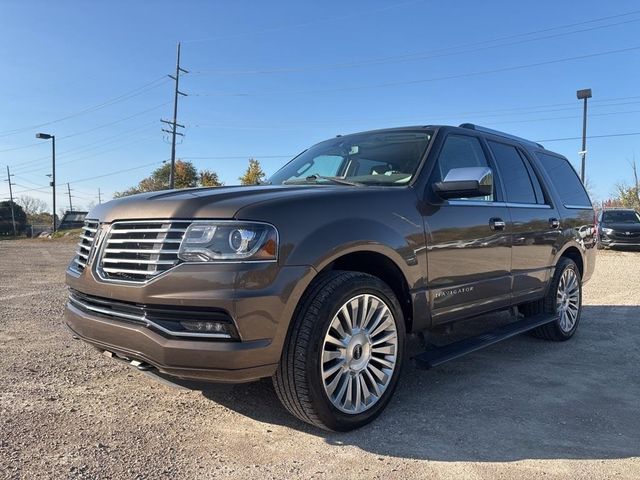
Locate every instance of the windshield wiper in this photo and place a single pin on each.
(314, 179)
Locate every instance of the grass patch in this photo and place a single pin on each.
(73, 233)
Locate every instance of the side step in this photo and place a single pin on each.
(439, 355)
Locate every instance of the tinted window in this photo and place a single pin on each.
(565, 179)
(460, 151)
(514, 174)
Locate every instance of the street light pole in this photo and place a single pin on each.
(584, 95)
(46, 136)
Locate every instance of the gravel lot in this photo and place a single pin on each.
(524, 408)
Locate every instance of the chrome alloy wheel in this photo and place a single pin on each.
(359, 353)
(568, 299)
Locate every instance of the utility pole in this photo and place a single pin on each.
(13, 217)
(69, 191)
(584, 94)
(174, 124)
(99, 196)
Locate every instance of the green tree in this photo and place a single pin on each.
(207, 178)
(254, 174)
(186, 177)
(6, 222)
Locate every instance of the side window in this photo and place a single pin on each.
(461, 151)
(514, 174)
(565, 179)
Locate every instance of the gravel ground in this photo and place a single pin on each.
(524, 408)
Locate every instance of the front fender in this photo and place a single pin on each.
(326, 243)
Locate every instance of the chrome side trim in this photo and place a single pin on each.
(579, 207)
(528, 205)
(481, 203)
(142, 319)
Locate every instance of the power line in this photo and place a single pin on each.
(626, 134)
(426, 80)
(84, 157)
(304, 24)
(117, 172)
(88, 146)
(425, 55)
(125, 96)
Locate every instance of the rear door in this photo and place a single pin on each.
(535, 221)
(468, 239)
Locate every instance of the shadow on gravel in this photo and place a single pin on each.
(521, 399)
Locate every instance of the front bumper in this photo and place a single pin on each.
(259, 298)
(617, 242)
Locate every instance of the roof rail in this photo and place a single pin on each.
(478, 128)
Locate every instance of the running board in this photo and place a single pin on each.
(439, 355)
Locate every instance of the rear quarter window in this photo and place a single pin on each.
(565, 180)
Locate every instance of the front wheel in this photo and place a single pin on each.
(343, 355)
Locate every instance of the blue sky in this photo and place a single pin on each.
(268, 79)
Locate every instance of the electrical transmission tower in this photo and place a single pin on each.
(174, 123)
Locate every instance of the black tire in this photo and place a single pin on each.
(298, 380)
(553, 331)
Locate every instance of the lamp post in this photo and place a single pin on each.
(46, 136)
(584, 95)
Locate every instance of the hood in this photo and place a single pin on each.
(213, 203)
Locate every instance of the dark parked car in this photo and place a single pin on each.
(618, 227)
(317, 277)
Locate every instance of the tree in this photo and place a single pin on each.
(254, 174)
(186, 177)
(31, 205)
(629, 195)
(43, 219)
(6, 221)
(207, 178)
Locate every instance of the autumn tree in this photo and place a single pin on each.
(186, 176)
(254, 173)
(629, 195)
(207, 178)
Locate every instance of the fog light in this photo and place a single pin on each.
(206, 326)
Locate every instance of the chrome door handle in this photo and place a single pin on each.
(554, 222)
(497, 224)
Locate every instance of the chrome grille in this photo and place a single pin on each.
(139, 251)
(87, 237)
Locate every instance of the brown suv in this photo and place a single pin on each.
(317, 277)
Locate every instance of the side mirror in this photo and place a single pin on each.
(466, 182)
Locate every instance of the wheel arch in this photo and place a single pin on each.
(573, 252)
(380, 266)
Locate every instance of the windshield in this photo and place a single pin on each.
(621, 216)
(380, 158)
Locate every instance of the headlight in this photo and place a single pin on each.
(213, 241)
(607, 231)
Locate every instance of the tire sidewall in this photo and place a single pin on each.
(567, 264)
(328, 413)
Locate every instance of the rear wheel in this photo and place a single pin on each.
(343, 355)
(564, 300)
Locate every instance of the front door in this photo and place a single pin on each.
(468, 240)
